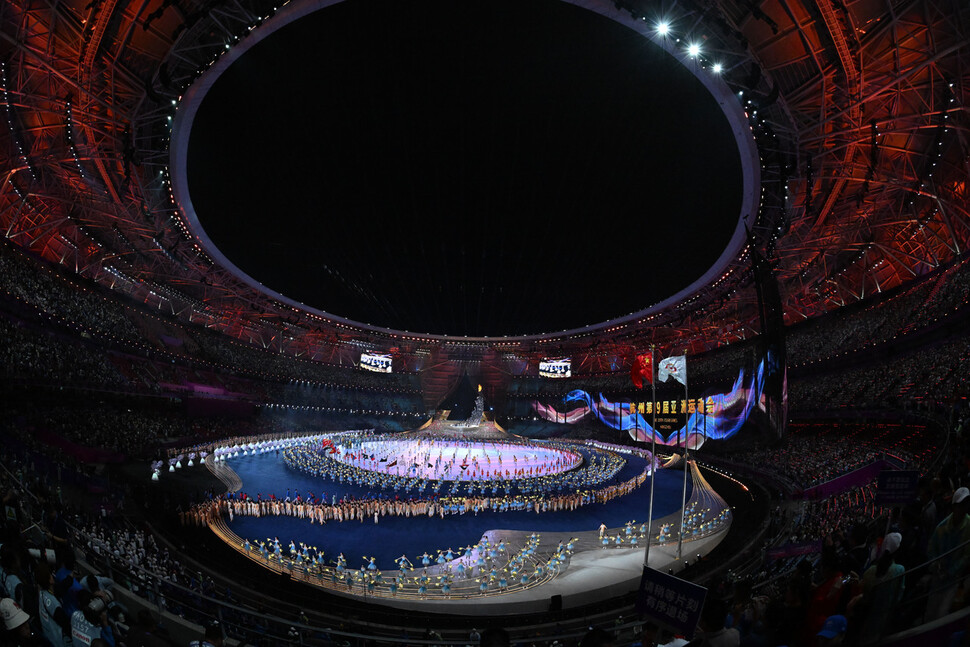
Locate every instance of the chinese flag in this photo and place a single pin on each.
(642, 369)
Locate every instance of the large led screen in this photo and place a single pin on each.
(555, 367)
(680, 418)
(379, 363)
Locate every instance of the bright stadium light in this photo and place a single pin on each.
(694, 49)
(663, 28)
(717, 68)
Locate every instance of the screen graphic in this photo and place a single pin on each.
(379, 363)
(556, 367)
(692, 419)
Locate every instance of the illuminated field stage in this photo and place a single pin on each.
(492, 544)
(457, 460)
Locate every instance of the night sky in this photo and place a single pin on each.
(473, 168)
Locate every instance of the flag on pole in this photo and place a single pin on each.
(642, 368)
(675, 367)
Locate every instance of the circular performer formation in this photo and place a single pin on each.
(489, 523)
(455, 459)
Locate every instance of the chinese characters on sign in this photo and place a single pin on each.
(676, 406)
(670, 601)
(669, 413)
(897, 487)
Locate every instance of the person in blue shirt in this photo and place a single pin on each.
(55, 624)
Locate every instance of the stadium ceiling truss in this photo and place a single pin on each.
(858, 109)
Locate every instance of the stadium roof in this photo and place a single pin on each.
(537, 167)
(857, 108)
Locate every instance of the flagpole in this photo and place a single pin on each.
(636, 414)
(683, 500)
(653, 461)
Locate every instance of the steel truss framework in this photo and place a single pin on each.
(858, 109)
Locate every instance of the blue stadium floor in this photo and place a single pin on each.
(394, 536)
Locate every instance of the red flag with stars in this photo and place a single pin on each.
(642, 369)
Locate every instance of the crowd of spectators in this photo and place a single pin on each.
(126, 368)
(152, 350)
(36, 284)
(886, 318)
(119, 426)
(921, 373)
(769, 606)
(65, 332)
(127, 428)
(880, 568)
(950, 294)
(813, 453)
(30, 355)
(857, 572)
(846, 331)
(934, 374)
